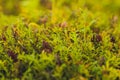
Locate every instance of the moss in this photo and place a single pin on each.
(59, 40)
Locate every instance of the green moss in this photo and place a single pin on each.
(59, 40)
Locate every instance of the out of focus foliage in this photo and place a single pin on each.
(59, 40)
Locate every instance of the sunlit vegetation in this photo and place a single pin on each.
(59, 40)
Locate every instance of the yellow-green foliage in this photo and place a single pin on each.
(59, 40)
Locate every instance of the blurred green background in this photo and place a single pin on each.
(15, 7)
(56, 10)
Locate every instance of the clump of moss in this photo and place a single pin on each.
(61, 40)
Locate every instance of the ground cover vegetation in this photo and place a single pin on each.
(59, 40)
